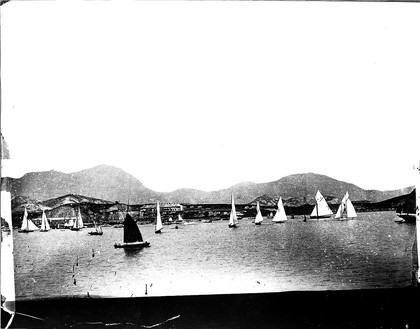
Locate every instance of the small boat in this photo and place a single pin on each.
(131, 235)
(280, 216)
(169, 222)
(45, 226)
(321, 209)
(258, 218)
(78, 223)
(98, 230)
(233, 220)
(158, 225)
(180, 218)
(27, 225)
(346, 209)
(407, 217)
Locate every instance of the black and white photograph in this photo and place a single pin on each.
(209, 164)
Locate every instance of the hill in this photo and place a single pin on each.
(113, 184)
(101, 182)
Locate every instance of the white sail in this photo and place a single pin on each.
(7, 274)
(180, 218)
(69, 223)
(258, 218)
(232, 218)
(170, 219)
(78, 223)
(280, 215)
(24, 226)
(27, 224)
(45, 226)
(321, 208)
(346, 208)
(159, 225)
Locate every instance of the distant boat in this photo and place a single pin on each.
(131, 235)
(179, 218)
(321, 209)
(98, 230)
(27, 224)
(45, 226)
(258, 218)
(346, 209)
(280, 216)
(233, 220)
(158, 226)
(78, 223)
(170, 221)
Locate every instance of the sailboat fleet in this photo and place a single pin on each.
(132, 237)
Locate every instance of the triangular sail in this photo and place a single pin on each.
(180, 218)
(346, 208)
(24, 226)
(280, 215)
(131, 230)
(78, 223)
(351, 212)
(258, 217)
(232, 218)
(45, 226)
(159, 225)
(27, 224)
(321, 207)
(79, 218)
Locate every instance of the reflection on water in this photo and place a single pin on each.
(209, 258)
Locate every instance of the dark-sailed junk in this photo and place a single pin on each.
(131, 236)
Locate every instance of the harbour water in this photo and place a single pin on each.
(371, 251)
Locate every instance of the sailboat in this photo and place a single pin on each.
(258, 218)
(131, 235)
(158, 226)
(180, 218)
(346, 209)
(27, 224)
(98, 230)
(233, 220)
(280, 216)
(45, 226)
(78, 223)
(321, 209)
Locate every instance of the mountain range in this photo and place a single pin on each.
(113, 184)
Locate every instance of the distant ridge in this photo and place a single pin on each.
(113, 184)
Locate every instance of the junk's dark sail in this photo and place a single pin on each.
(131, 230)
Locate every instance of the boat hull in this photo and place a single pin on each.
(75, 229)
(132, 245)
(25, 231)
(232, 225)
(409, 218)
(320, 217)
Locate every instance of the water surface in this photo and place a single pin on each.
(371, 251)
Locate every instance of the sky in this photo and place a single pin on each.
(209, 94)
